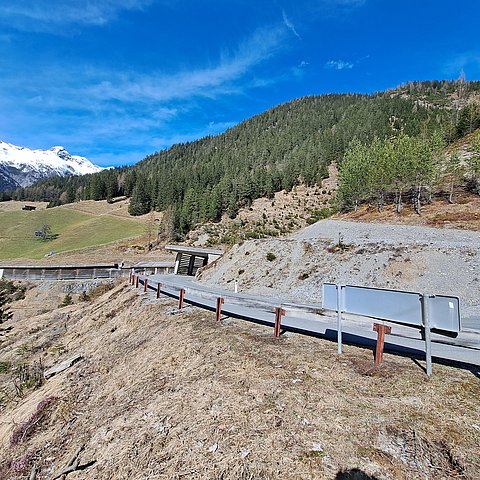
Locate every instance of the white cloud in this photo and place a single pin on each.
(346, 3)
(219, 79)
(82, 106)
(290, 25)
(468, 62)
(338, 65)
(52, 15)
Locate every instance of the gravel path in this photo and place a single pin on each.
(364, 233)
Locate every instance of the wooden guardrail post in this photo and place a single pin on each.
(218, 310)
(181, 297)
(279, 312)
(382, 330)
(159, 287)
(145, 285)
(136, 281)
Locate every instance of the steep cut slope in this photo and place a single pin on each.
(404, 257)
(180, 396)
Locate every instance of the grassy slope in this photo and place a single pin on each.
(75, 230)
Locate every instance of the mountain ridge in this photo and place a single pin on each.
(22, 166)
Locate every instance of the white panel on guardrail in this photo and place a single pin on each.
(396, 306)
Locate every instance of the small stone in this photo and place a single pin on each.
(213, 448)
(244, 452)
(316, 447)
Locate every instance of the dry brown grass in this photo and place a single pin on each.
(181, 396)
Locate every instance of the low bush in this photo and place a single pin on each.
(26, 429)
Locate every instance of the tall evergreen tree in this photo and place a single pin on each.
(139, 201)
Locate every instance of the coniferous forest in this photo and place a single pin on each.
(388, 145)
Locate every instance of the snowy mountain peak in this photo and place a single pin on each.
(20, 166)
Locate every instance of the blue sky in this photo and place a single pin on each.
(116, 80)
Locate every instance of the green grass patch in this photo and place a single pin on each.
(74, 230)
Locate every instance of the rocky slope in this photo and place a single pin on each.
(404, 257)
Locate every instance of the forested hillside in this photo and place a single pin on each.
(289, 144)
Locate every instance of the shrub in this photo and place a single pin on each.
(67, 300)
(84, 297)
(26, 429)
(320, 214)
(271, 256)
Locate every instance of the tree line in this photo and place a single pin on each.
(287, 145)
(401, 168)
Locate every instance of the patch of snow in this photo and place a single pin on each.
(27, 166)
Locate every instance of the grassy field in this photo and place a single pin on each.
(74, 230)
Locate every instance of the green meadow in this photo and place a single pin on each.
(73, 230)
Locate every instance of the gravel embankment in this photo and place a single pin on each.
(412, 258)
(364, 233)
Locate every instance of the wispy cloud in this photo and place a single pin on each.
(468, 62)
(219, 79)
(344, 65)
(345, 3)
(80, 106)
(49, 15)
(338, 65)
(290, 25)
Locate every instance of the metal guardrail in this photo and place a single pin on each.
(311, 320)
(394, 305)
(413, 309)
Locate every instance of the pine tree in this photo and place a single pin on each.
(139, 201)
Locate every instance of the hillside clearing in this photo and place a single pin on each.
(175, 396)
(74, 230)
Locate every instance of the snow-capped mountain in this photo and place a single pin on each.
(21, 167)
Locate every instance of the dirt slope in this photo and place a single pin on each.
(404, 257)
(180, 396)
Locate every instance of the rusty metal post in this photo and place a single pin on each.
(159, 286)
(218, 311)
(136, 281)
(145, 285)
(382, 330)
(181, 298)
(279, 312)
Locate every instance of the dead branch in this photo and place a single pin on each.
(72, 465)
(33, 473)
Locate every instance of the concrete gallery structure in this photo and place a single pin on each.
(190, 259)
